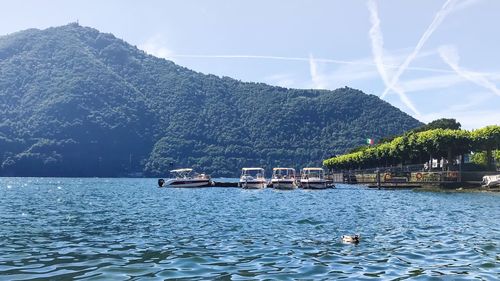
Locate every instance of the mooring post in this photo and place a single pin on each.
(378, 178)
(459, 179)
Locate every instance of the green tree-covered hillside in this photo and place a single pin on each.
(77, 102)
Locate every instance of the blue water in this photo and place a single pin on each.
(128, 229)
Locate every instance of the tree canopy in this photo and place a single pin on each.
(443, 123)
(417, 147)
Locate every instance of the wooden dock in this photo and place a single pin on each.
(395, 185)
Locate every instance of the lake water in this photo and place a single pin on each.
(128, 229)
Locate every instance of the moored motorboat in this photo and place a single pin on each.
(252, 178)
(313, 178)
(491, 181)
(185, 178)
(284, 178)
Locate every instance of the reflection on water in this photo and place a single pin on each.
(128, 229)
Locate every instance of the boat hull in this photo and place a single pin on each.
(253, 184)
(283, 184)
(187, 183)
(491, 181)
(313, 184)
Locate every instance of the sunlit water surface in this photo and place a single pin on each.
(124, 229)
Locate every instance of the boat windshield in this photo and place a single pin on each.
(283, 173)
(313, 173)
(253, 172)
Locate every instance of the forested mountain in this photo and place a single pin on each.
(77, 102)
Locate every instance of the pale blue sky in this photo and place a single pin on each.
(437, 58)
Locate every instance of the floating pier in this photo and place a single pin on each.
(330, 184)
(224, 184)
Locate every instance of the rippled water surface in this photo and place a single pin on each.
(124, 229)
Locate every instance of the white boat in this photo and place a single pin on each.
(252, 178)
(284, 178)
(491, 181)
(186, 178)
(313, 178)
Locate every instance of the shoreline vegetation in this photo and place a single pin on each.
(78, 102)
(419, 147)
(436, 156)
(106, 111)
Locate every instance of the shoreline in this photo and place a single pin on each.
(464, 188)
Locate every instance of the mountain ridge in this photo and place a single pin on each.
(77, 102)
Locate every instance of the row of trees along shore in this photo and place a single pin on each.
(417, 147)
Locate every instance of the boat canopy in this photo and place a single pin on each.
(185, 170)
(252, 169)
(275, 169)
(312, 169)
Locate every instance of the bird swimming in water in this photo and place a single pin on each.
(351, 238)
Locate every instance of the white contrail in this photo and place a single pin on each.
(438, 19)
(377, 41)
(305, 59)
(450, 55)
(316, 77)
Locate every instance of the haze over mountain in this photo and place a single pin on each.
(77, 102)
